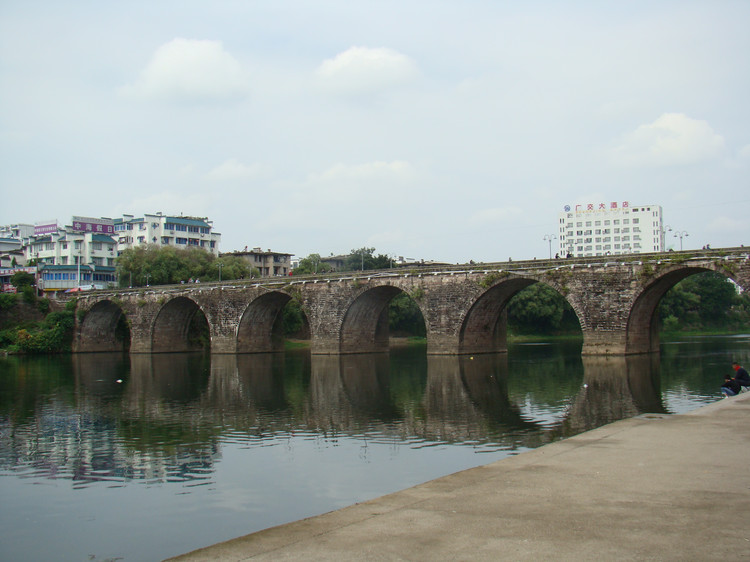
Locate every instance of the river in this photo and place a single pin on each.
(117, 457)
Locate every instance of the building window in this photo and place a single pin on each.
(181, 240)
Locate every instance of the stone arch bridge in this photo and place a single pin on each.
(615, 299)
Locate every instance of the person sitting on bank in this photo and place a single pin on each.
(730, 387)
(740, 374)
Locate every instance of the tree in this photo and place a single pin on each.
(154, 265)
(404, 317)
(539, 309)
(230, 267)
(705, 300)
(363, 259)
(311, 265)
(21, 279)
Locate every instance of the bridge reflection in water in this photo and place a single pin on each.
(453, 399)
(194, 449)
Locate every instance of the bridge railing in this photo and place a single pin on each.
(416, 269)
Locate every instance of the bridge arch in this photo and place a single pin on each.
(260, 329)
(642, 331)
(364, 328)
(104, 328)
(484, 327)
(179, 326)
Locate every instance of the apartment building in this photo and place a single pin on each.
(615, 228)
(164, 230)
(269, 263)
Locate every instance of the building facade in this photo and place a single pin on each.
(615, 228)
(19, 231)
(163, 230)
(269, 263)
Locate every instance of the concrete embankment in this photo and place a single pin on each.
(649, 488)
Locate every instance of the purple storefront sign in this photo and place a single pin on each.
(98, 226)
(40, 229)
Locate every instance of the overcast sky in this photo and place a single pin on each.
(429, 129)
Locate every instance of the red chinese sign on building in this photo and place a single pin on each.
(614, 205)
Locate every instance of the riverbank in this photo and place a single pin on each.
(654, 487)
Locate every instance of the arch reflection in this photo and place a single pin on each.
(615, 388)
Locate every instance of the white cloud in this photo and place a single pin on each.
(233, 170)
(743, 155)
(726, 224)
(170, 203)
(494, 215)
(370, 171)
(358, 192)
(673, 139)
(360, 70)
(192, 70)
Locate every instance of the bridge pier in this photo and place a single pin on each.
(598, 342)
(223, 343)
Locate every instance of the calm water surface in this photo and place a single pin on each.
(107, 457)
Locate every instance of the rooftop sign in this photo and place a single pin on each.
(45, 228)
(590, 207)
(99, 226)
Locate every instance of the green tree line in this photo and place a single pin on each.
(165, 265)
(362, 259)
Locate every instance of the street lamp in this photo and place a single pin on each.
(550, 237)
(663, 234)
(220, 266)
(680, 234)
(148, 276)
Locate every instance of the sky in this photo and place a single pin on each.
(428, 129)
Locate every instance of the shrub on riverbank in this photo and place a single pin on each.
(25, 332)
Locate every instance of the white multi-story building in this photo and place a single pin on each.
(19, 231)
(86, 241)
(600, 229)
(163, 230)
(67, 257)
